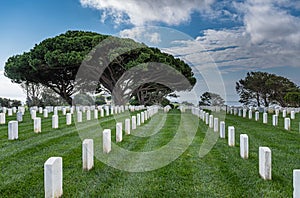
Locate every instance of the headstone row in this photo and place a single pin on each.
(264, 152)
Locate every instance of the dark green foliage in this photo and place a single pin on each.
(134, 101)
(100, 100)
(292, 99)
(165, 102)
(55, 61)
(262, 88)
(5, 102)
(211, 99)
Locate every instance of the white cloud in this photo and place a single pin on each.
(144, 12)
(232, 50)
(142, 34)
(271, 20)
(9, 89)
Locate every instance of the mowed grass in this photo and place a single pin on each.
(220, 173)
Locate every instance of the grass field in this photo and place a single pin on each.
(221, 173)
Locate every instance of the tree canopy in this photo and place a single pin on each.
(211, 99)
(262, 88)
(55, 62)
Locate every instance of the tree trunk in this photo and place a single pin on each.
(68, 100)
(266, 101)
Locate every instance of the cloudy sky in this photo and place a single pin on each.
(221, 40)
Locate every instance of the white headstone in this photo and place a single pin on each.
(54, 121)
(22, 109)
(112, 110)
(79, 116)
(296, 183)
(244, 113)
(33, 114)
(142, 117)
(64, 111)
(19, 116)
(45, 113)
(256, 116)
(40, 110)
(9, 112)
(106, 140)
(87, 154)
(292, 115)
(138, 119)
(265, 118)
(231, 136)
(14, 109)
(119, 131)
(250, 114)
(133, 122)
(68, 119)
(211, 121)
(102, 113)
(244, 146)
(222, 129)
(216, 124)
(55, 111)
(37, 125)
(275, 120)
(287, 123)
(2, 118)
(13, 130)
(265, 163)
(107, 110)
(284, 113)
(206, 118)
(96, 114)
(53, 177)
(146, 115)
(277, 112)
(127, 126)
(88, 115)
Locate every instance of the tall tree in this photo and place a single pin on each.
(133, 69)
(55, 63)
(262, 88)
(211, 99)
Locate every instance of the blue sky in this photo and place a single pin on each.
(237, 36)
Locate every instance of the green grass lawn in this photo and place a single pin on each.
(220, 173)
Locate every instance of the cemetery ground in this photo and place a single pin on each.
(221, 173)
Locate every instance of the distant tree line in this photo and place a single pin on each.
(5, 102)
(265, 89)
